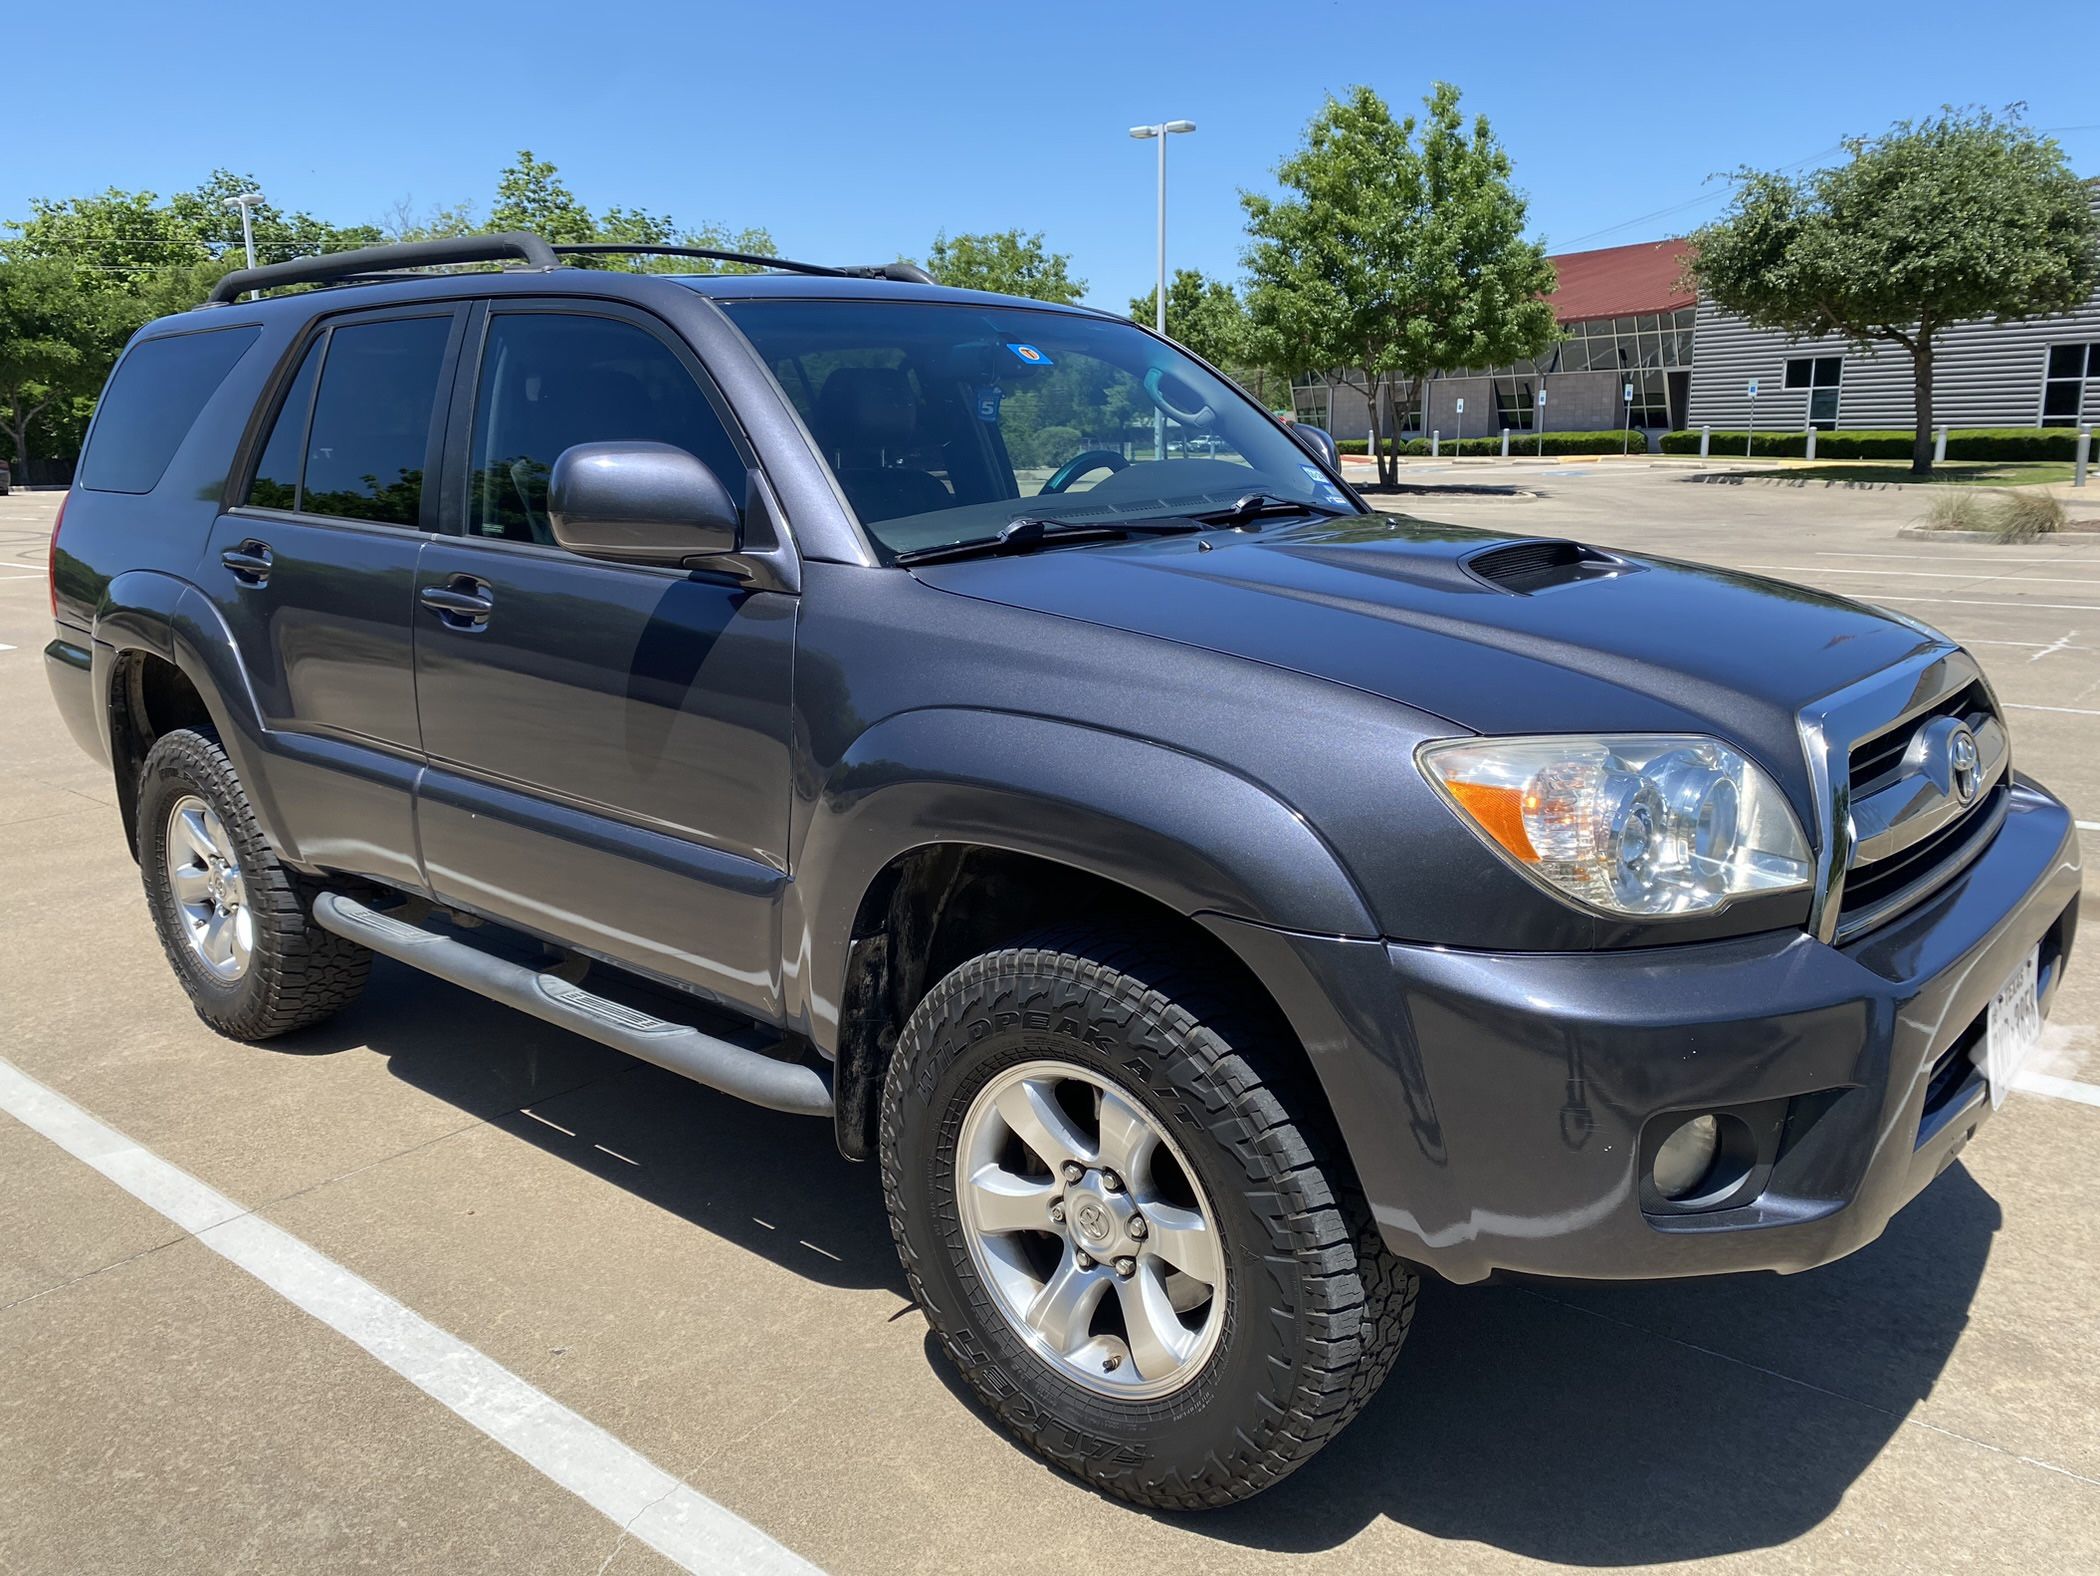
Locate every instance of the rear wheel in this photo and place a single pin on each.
(1120, 1233)
(234, 922)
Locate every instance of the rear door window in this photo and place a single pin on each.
(152, 402)
(352, 434)
(370, 436)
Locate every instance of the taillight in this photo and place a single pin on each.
(51, 564)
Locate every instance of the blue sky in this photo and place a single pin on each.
(854, 132)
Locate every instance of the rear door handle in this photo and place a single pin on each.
(250, 562)
(462, 602)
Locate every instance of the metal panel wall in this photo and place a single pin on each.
(1984, 375)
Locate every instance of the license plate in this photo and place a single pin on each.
(2011, 1029)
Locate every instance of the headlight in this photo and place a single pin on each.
(1642, 824)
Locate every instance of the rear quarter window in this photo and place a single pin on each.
(151, 403)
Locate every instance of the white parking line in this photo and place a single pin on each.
(2088, 826)
(2017, 605)
(2060, 1088)
(2069, 711)
(1922, 574)
(648, 1503)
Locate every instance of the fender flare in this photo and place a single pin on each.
(1185, 831)
(144, 610)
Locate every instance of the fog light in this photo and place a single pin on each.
(1685, 1157)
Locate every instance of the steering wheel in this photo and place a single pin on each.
(1079, 464)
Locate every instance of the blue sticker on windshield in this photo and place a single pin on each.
(1032, 356)
(988, 402)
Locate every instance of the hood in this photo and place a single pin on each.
(1549, 637)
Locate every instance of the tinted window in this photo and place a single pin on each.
(552, 380)
(151, 403)
(371, 426)
(276, 484)
(943, 422)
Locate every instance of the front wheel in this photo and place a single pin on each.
(1120, 1233)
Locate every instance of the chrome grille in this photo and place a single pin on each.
(1910, 770)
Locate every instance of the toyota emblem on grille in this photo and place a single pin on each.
(1964, 765)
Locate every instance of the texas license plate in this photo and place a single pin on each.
(2011, 1029)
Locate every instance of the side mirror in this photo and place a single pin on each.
(1319, 443)
(640, 503)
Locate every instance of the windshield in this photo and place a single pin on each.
(943, 423)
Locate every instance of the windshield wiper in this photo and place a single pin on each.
(1256, 504)
(1025, 533)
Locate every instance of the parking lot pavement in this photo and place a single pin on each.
(710, 1286)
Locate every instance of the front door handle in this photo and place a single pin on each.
(250, 562)
(462, 602)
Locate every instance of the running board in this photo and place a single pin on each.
(720, 1064)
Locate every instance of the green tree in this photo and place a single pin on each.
(1005, 262)
(1202, 313)
(1397, 251)
(1964, 215)
(132, 242)
(530, 195)
(57, 339)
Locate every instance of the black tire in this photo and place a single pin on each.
(298, 973)
(1317, 1307)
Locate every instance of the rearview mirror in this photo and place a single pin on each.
(640, 503)
(1319, 443)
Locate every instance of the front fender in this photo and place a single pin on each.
(1182, 830)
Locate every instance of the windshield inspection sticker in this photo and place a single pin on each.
(1032, 356)
(988, 402)
(1324, 490)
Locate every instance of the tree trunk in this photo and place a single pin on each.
(1921, 385)
(1388, 433)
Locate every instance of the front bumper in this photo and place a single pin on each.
(1496, 1106)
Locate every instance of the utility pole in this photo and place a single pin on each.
(1160, 133)
(246, 202)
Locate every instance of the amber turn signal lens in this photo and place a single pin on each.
(1500, 813)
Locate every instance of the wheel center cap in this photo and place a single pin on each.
(1093, 1220)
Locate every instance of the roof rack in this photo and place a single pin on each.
(903, 273)
(513, 245)
(368, 263)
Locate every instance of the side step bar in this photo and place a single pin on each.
(720, 1064)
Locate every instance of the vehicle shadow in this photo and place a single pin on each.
(1640, 1423)
(1634, 1424)
(770, 1183)
(1586, 1424)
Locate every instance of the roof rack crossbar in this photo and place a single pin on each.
(905, 273)
(514, 245)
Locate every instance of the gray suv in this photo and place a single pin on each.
(976, 724)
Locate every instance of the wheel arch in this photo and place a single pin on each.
(946, 833)
(163, 659)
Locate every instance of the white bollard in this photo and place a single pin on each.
(2085, 449)
(1706, 436)
(1939, 445)
(1811, 452)
(1435, 438)
(1505, 443)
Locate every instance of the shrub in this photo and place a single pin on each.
(2014, 515)
(1955, 509)
(1520, 444)
(1963, 443)
(2022, 516)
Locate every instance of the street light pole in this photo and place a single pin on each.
(246, 201)
(1160, 133)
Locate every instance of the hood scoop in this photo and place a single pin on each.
(1542, 564)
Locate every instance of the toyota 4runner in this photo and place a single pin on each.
(976, 724)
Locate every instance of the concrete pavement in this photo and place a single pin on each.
(713, 1287)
